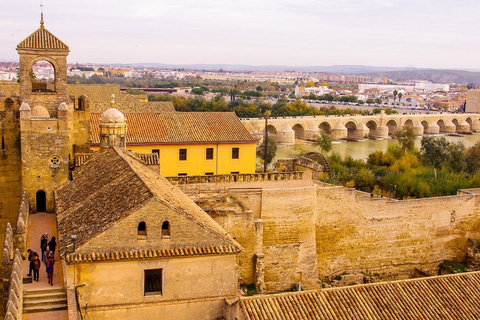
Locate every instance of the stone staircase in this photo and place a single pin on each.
(44, 300)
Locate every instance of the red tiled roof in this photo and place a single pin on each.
(42, 39)
(141, 254)
(442, 297)
(179, 127)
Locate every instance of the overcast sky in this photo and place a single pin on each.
(396, 33)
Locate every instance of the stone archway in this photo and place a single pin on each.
(41, 201)
(424, 123)
(271, 129)
(470, 122)
(299, 131)
(455, 123)
(372, 126)
(392, 127)
(351, 128)
(325, 127)
(408, 123)
(43, 76)
(441, 124)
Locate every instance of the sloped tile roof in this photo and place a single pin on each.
(42, 39)
(179, 127)
(100, 96)
(112, 185)
(441, 297)
(140, 254)
(147, 158)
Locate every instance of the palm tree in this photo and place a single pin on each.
(400, 95)
(395, 92)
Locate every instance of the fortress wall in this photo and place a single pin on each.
(289, 237)
(10, 172)
(359, 234)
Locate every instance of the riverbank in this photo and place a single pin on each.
(361, 149)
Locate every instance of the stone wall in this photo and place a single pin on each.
(359, 234)
(43, 141)
(14, 304)
(10, 170)
(304, 233)
(243, 177)
(20, 237)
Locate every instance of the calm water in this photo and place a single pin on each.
(361, 149)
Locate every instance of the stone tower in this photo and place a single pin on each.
(46, 119)
(42, 45)
(113, 128)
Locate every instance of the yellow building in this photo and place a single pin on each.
(189, 143)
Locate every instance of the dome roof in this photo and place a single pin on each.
(112, 115)
(40, 112)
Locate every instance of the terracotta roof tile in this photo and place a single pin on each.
(147, 158)
(142, 254)
(442, 297)
(179, 127)
(42, 39)
(111, 186)
(100, 95)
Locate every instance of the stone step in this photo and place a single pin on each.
(41, 291)
(46, 301)
(45, 308)
(47, 295)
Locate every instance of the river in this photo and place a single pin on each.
(361, 149)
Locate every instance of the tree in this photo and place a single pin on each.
(323, 141)
(259, 88)
(271, 150)
(310, 84)
(197, 91)
(406, 138)
(378, 101)
(400, 95)
(435, 151)
(395, 92)
(473, 158)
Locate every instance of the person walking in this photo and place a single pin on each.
(36, 267)
(31, 254)
(52, 244)
(47, 254)
(50, 262)
(44, 244)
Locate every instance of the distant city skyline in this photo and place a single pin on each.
(393, 33)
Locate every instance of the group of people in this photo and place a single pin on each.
(48, 258)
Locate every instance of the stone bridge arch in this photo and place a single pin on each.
(351, 129)
(446, 126)
(299, 131)
(271, 129)
(325, 127)
(392, 126)
(408, 123)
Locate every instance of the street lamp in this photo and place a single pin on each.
(265, 144)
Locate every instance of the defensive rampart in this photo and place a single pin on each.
(309, 232)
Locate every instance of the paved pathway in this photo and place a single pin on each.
(40, 223)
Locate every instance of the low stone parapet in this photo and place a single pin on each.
(242, 177)
(14, 307)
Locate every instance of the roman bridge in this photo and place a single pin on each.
(286, 129)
